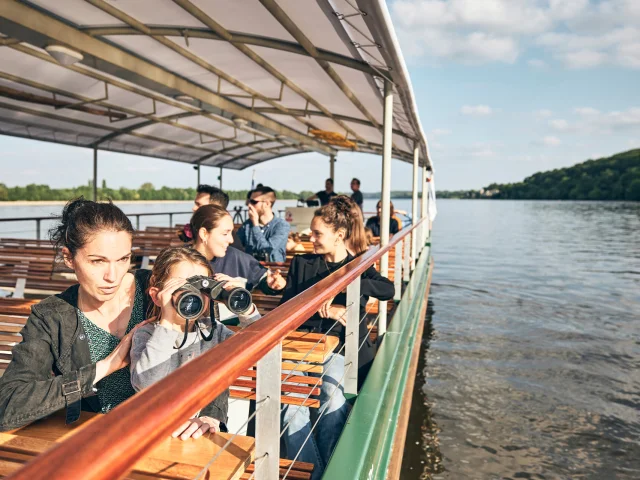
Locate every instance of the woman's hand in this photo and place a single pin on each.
(119, 357)
(275, 280)
(335, 312)
(196, 427)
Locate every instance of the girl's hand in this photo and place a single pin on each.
(231, 281)
(196, 427)
(275, 280)
(168, 315)
(119, 357)
(339, 313)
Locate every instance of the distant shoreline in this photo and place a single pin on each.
(23, 203)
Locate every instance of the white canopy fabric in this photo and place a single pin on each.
(228, 83)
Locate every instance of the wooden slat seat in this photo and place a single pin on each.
(299, 470)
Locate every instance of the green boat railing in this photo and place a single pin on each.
(109, 446)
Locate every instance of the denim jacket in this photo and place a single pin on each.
(51, 368)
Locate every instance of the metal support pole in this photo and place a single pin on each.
(332, 168)
(406, 257)
(386, 194)
(38, 229)
(268, 414)
(414, 205)
(352, 337)
(137, 222)
(220, 178)
(171, 219)
(424, 230)
(95, 174)
(198, 170)
(397, 272)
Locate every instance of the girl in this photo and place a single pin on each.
(331, 227)
(357, 241)
(212, 227)
(162, 346)
(76, 344)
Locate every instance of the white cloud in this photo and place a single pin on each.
(483, 153)
(559, 124)
(537, 63)
(586, 111)
(577, 33)
(551, 141)
(543, 113)
(440, 132)
(476, 110)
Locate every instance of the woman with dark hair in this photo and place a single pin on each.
(76, 344)
(331, 227)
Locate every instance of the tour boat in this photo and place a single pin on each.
(227, 84)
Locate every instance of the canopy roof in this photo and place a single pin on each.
(227, 83)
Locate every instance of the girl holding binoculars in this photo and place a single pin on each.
(172, 340)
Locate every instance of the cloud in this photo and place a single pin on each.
(551, 141)
(440, 132)
(577, 33)
(476, 110)
(543, 113)
(586, 111)
(537, 63)
(559, 124)
(483, 153)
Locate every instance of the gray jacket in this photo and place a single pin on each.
(154, 356)
(54, 352)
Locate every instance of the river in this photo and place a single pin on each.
(531, 357)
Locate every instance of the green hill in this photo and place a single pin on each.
(611, 178)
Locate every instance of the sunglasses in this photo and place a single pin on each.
(255, 202)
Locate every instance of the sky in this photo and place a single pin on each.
(504, 88)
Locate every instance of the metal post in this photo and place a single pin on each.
(38, 229)
(397, 272)
(424, 229)
(137, 222)
(332, 168)
(268, 414)
(171, 219)
(414, 205)
(95, 174)
(352, 337)
(386, 194)
(406, 257)
(220, 178)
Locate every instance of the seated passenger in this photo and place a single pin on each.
(294, 243)
(330, 228)
(264, 235)
(209, 195)
(374, 222)
(212, 227)
(169, 341)
(75, 345)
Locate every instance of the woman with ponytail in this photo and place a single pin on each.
(332, 226)
(75, 345)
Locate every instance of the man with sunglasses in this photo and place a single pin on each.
(263, 234)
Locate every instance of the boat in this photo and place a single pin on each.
(228, 84)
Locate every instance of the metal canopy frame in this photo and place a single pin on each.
(190, 118)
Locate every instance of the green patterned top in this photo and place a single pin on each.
(115, 388)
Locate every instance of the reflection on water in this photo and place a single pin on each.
(533, 365)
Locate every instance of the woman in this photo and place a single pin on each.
(357, 241)
(212, 228)
(76, 344)
(162, 346)
(331, 227)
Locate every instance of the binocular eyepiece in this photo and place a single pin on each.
(188, 300)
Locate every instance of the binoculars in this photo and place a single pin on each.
(188, 300)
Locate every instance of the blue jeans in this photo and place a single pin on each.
(331, 418)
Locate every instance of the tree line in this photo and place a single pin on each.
(146, 192)
(611, 178)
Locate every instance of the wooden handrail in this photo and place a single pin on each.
(109, 446)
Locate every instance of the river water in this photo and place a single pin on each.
(531, 357)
